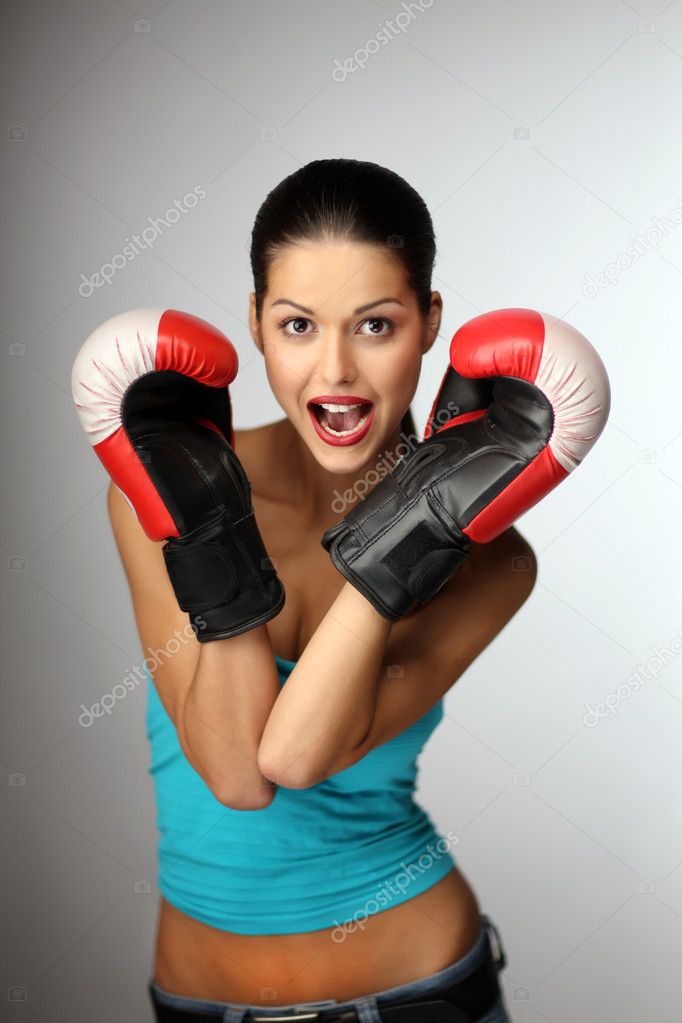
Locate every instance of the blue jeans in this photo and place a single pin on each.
(169, 1007)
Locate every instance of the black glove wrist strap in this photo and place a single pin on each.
(421, 565)
(201, 564)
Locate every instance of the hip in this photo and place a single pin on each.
(399, 945)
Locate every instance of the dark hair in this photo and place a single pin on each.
(347, 200)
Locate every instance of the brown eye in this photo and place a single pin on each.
(375, 322)
(298, 324)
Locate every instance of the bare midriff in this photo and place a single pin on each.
(404, 943)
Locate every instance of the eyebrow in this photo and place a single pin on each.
(356, 312)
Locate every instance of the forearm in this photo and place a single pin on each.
(227, 705)
(327, 705)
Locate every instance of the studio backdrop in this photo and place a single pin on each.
(138, 141)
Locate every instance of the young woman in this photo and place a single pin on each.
(295, 865)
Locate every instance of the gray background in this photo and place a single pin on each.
(543, 137)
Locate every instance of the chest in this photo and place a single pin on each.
(310, 580)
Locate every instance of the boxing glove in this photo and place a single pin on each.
(523, 400)
(151, 388)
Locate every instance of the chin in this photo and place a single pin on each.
(342, 461)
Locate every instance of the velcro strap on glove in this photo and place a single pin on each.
(200, 567)
(419, 565)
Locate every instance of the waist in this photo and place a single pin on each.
(296, 868)
(198, 961)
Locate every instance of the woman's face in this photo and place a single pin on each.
(340, 327)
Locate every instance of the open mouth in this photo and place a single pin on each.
(342, 420)
(342, 424)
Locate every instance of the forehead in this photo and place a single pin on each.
(336, 275)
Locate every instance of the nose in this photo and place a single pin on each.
(336, 363)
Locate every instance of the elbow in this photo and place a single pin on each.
(257, 797)
(249, 791)
(305, 772)
(295, 775)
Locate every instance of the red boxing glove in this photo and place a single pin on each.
(151, 390)
(567, 401)
(523, 401)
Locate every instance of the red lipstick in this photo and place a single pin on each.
(341, 440)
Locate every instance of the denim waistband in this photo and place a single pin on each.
(461, 968)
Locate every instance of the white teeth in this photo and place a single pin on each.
(344, 433)
(338, 408)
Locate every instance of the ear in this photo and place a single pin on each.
(254, 326)
(433, 318)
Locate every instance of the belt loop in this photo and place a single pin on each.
(500, 958)
(234, 1014)
(367, 1009)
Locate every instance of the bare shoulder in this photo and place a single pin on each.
(484, 594)
(510, 551)
(124, 521)
(262, 452)
(507, 563)
(141, 557)
(499, 575)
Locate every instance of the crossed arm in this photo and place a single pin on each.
(245, 735)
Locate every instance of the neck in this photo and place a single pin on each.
(329, 495)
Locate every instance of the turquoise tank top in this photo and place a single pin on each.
(323, 857)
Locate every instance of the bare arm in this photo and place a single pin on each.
(327, 704)
(218, 695)
(345, 702)
(437, 650)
